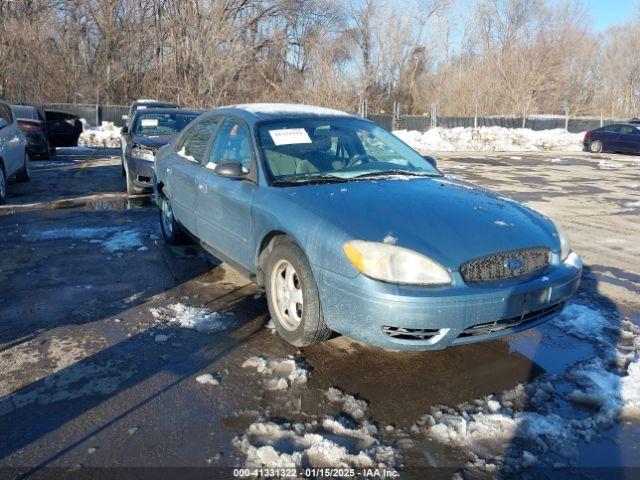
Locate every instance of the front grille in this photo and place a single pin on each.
(505, 265)
(410, 333)
(512, 322)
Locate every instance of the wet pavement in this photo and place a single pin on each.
(95, 371)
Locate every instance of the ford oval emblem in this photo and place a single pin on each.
(514, 264)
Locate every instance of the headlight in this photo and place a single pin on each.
(142, 154)
(390, 263)
(565, 246)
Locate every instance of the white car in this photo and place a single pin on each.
(14, 158)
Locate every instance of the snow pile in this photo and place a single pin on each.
(106, 135)
(281, 373)
(350, 405)
(113, 239)
(207, 379)
(524, 426)
(328, 443)
(200, 319)
(497, 139)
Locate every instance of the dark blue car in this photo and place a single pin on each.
(350, 230)
(618, 137)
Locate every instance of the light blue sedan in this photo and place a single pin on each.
(349, 230)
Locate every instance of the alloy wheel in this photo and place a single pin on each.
(286, 295)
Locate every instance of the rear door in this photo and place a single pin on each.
(64, 129)
(12, 145)
(224, 204)
(610, 137)
(184, 170)
(629, 139)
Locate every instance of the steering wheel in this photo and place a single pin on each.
(360, 159)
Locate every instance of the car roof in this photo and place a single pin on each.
(138, 103)
(167, 110)
(273, 111)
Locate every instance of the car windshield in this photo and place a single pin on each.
(336, 148)
(169, 123)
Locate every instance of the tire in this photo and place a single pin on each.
(304, 326)
(172, 231)
(3, 184)
(24, 175)
(595, 146)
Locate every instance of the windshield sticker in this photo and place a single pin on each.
(149, 122)
(289, 136)
(142, 107)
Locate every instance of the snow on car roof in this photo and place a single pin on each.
(269, 108)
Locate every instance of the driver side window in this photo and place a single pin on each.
(232, 144)
(194, 144)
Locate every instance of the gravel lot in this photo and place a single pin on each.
(107, 337)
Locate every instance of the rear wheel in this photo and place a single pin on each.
(595, 146)
(292, 295)
(172, 231)
(24, 175)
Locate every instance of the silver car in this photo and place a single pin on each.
(14, 158)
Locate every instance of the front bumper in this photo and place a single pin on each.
(140, 171)
(417, 318)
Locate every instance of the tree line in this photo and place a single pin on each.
(491, 57)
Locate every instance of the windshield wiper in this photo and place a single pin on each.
(394, 173)
(309, 179)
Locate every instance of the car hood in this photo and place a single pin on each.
(154, 142)
(446, 219)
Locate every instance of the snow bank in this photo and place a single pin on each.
(524, 426)
(106, 135)
(280, 373)
(497, 139)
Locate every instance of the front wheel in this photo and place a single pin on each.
(172, 231)
(595, 146)
(24, 175)
(292, 295)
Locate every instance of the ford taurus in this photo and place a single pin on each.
(349, 230)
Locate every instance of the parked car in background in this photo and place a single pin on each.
(64, 128)
(617, 137)
(350, 230)
(635, 121)
(33, 123)
(144, 103)
(150, 129)
(14, 156)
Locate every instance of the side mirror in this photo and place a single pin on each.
(124, 130)
(431, 160)
(3, 123)
(230, 170)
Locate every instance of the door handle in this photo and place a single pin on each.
(202, 187)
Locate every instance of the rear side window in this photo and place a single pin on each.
(612, 128)
(232, 144)
(5, 113)
(628, 129)
(194, 144)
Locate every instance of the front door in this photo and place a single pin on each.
(224, 204)
(185, 169)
